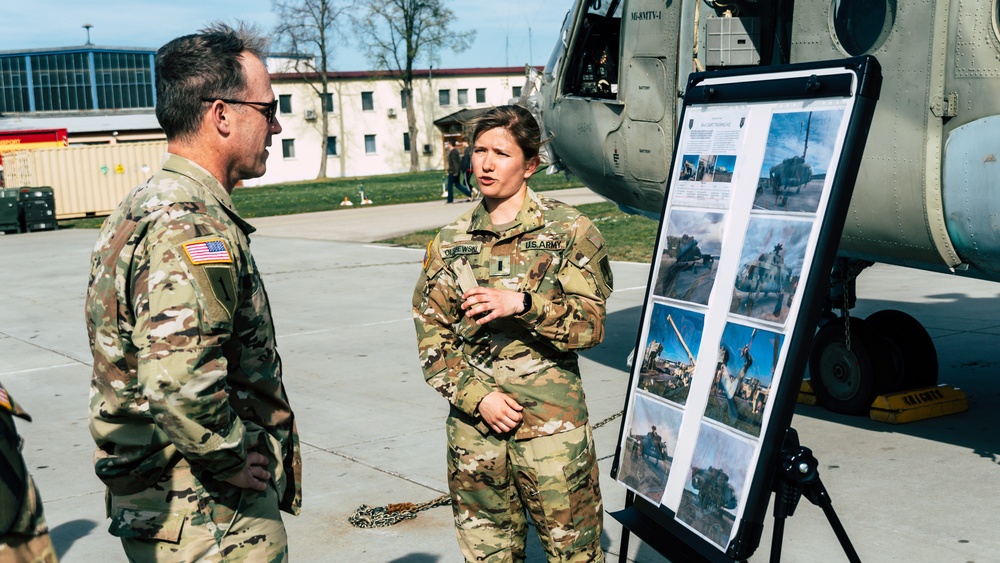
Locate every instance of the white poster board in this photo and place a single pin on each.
(748, 203)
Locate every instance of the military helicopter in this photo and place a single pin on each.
(612, 90)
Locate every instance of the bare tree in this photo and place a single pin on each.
(308, 28)
(398, 33)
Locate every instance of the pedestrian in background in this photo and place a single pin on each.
(467, 169)
(508, 294)
(24, 534)
(196, 440)
(455, 172)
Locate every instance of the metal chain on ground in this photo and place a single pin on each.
(382, 516)
(607, 420)
(845, 311)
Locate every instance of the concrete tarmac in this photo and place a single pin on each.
(373, 431)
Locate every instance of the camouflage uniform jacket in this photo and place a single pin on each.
(550, 251)
(20, 505)
(180, 328)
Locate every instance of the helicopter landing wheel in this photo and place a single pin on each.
(909, 343)
(846, 379)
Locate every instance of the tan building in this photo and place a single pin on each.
(368, 132)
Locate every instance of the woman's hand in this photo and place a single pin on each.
(487, 304)
(500, 412)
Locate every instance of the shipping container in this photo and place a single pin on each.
(87, 180)
(32, 139)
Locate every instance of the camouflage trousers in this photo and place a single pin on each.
(28, 541)
(494, 479)
(16, 548)
(183, 519)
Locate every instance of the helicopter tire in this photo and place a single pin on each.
(847, 380)
(914, 353)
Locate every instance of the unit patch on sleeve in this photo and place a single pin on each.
(212, 251)
(223, 286)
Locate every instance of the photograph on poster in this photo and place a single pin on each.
(769, 268)
(799, 151)
(649, 448)
(747, 359)
(707, 168)
(671, 348)
(715, 483)
(690, 255)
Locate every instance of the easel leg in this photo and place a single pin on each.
(799, 475)
(623, 551)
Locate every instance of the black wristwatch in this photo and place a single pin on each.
(527, 302)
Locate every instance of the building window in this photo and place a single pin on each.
(369, 144)
(62, 82)
(288, 148)
(328, 102)
(517, 91)
(13, 85)
(123, 80)
(285, 103)
(406, 142)
(480, 95)
(402, 98)
(463, 97)
(444, 97)
(331, 146)
(367, 101)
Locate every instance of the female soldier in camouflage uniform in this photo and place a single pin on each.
(508, 293)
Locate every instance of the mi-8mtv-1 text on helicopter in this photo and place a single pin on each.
(926, 191)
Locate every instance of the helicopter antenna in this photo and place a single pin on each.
(808, 124)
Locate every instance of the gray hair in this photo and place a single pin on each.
(203, 65)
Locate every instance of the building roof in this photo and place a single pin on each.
(76, 49)
(417, 73)
(460, 117)
(88, 123)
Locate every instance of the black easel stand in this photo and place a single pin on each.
(799, 475)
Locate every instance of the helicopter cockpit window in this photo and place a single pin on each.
(861, 26)
(559, 52)
(592, 70)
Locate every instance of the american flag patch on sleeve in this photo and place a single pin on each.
(212, 251)
(4, 399)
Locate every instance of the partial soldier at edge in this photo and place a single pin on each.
(24, 534)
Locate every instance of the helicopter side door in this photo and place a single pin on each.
(614, 103)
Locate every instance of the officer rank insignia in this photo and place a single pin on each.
(212, 251)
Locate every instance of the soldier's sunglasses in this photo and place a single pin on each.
(268, 109)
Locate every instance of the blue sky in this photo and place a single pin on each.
(705, 227)
(689, 323)
(502, 37)
(764, 233)
(787, 135)
(762, 350)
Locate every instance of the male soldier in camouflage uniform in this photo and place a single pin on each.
(24, 535)
(500, 309)
(196, 440)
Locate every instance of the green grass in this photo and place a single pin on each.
(629, 237)
(325, 195)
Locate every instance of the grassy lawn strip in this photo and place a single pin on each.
(314, 195)
(630, 238)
